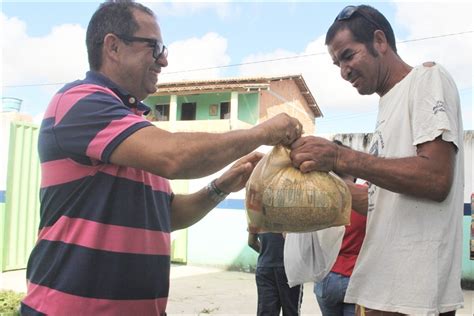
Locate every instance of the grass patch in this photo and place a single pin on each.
(10, 302)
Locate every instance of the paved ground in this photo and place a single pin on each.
(204, 290)
(200, 291)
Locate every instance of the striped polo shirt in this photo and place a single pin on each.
(104, 236)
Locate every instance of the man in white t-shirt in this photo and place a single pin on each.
(410, 261)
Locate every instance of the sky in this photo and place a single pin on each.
(43, 47)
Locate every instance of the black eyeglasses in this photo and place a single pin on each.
(349, 11)
(159, 49)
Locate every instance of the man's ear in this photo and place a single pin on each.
(111, 46)
(380, 41)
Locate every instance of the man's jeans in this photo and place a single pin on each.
(330, 294)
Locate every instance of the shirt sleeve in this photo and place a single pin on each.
(435, 107)
(94, 123)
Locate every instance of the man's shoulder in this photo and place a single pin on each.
(431, 70)
(426, 67)
(92, 81)
(82, 88)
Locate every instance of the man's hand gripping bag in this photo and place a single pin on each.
(280, 198)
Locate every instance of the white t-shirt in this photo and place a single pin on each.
(410, 261)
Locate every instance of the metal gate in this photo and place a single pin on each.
(19, 223)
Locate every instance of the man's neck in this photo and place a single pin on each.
(396, 72)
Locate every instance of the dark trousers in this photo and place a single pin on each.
(274, 294)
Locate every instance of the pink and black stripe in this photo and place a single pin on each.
(104, 237)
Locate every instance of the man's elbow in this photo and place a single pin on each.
(439, 197)
(167, 168)
(181, 168)
(172, 173)
(441, 189)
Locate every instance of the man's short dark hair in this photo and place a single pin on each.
(111, 17)
(362, 29)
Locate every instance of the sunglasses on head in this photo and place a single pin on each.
(348, 12)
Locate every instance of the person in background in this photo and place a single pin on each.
(331, 290)
(274, 294)
(107, 208)
(410, 261)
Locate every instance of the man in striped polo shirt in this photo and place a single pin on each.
(107, 208)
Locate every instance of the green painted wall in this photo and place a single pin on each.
(202, 104)
(220, 239)
(179, 238)
(247, 112)
(248, 108)
(152, 101)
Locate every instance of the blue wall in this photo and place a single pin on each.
(220, 239)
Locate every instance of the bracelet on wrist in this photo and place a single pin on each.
(216, 194)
